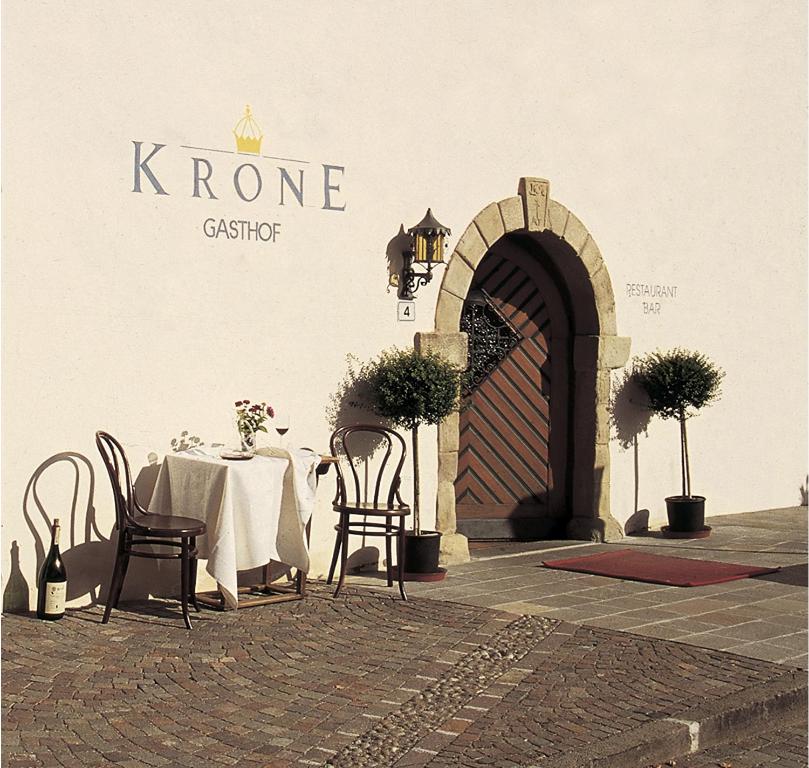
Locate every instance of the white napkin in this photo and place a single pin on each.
(302, 465)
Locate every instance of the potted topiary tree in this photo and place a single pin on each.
(678, 384)
(409, 389)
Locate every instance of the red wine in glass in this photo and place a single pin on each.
(281, 427)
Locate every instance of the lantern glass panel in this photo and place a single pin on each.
(438, 248)
(421, 247)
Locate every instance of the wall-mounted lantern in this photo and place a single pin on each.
(426, 250)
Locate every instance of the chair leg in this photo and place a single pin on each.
(185, 568)
(124, 567)
(343, 553)
(400, 557)
(192, 587)
(388, 535)
(300, 577)
(337, 544)
(300, 583)
(117, 581)
(116, 575)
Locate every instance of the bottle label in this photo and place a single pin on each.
(55, 592)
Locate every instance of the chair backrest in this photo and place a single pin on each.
(382, 476)
(117, 466)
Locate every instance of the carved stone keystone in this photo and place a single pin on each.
(535, 194)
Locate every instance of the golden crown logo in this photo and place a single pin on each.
(248, 134)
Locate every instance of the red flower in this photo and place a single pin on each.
(253, 416)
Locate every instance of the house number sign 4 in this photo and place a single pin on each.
(406, 311)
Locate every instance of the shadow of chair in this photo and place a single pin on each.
(85, 550)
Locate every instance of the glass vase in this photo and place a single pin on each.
(248, 439)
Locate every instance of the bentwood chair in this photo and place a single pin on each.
(375, 497)
(138, 528)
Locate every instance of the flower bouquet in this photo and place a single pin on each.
(250, 418)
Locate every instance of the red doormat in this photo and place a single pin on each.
(657, 569)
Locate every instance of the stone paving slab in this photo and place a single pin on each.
(753, 617)
(763, 617)
(364, 680)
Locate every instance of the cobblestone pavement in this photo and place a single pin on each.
(781, 748)
(366, 680)
(764, 617)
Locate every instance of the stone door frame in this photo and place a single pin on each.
(594, 355)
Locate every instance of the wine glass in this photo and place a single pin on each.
(281, 423)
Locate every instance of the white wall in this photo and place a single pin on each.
(677, 137)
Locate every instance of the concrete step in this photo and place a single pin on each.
(769, 705)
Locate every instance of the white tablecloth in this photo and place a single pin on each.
(256, 510)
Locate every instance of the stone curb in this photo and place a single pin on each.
(698, 728)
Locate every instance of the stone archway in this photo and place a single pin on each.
(596, 350)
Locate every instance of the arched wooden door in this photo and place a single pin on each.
(512, 458)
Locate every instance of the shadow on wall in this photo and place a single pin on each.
(147, 476)
(88, 553)
(147, 479)
(350, 405)
(185, 441)
(629, 417)
(15, 595)
(595, 528)
(394, 250)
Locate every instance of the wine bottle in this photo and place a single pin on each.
(52, 583)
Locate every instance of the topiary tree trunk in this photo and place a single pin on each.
(685, 467)
(410, 388)
(416, 514)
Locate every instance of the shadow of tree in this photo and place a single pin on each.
(351, 404)
(638, 521)
(629, 411)
(629, 418)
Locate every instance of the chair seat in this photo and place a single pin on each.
(168, 525)
(369, 508)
